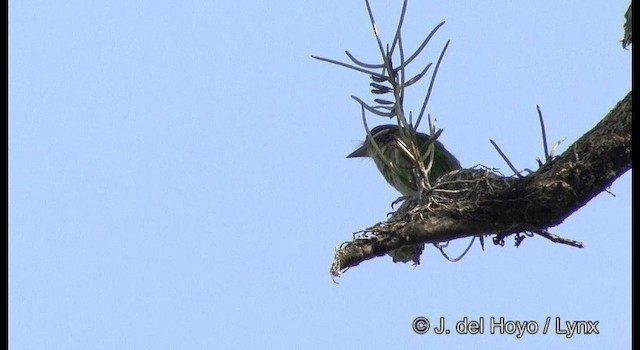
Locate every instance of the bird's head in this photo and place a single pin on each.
(392, 156)
(382, 135)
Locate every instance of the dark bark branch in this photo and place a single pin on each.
(472, 202)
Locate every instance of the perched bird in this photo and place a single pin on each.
(397, 166)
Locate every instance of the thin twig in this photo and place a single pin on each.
(544, 135)
(558, 239)
(422, 46)
(350, 66)
(555, 146)
(375, 31)
(360, 63)
(515, 171)
(373, 110)
(440, 247)
(416, 77)
(399, 28)
(433, 79)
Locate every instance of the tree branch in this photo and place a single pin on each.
(472, 202)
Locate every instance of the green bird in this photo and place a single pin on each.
(397, 166)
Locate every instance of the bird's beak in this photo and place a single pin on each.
(360, 152)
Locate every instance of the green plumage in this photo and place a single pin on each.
(397, 166)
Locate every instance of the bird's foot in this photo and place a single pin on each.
(398, 200)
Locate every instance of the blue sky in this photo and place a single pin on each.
(177, 174)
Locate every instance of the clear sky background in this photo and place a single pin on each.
(177, 174)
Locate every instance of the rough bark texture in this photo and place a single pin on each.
(472, 202)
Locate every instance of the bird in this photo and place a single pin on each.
(396, 165)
